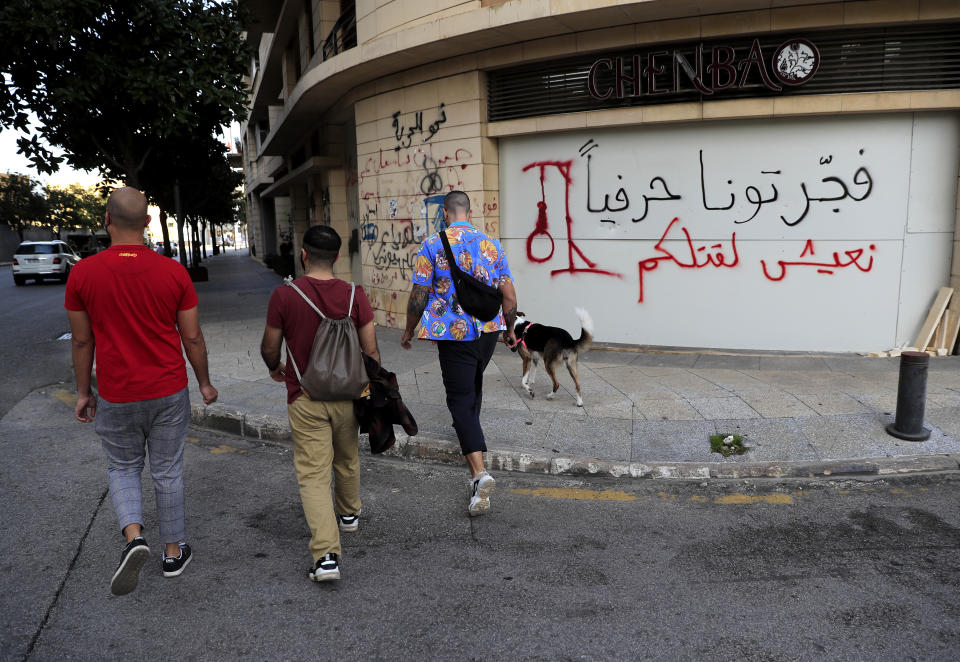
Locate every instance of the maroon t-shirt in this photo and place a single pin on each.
(288, 312)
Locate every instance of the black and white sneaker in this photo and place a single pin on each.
(481, 488)
(174, 565)
(132, 558)
(348, 522)
(326, 569)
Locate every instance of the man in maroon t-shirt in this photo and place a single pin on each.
(325, 433)
(136, 308)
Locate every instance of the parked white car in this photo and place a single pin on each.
(43, 259)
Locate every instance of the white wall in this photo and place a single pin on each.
(865, 203)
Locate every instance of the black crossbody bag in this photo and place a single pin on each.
(476, 297)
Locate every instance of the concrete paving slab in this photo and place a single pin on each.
(502, 398)
(793, 363)
(729, 379)
(607, 357)
(691, 386)
(621, 408)
(948, 399)
(828, 404)
(581, 436)
(525, 431)
(433, 420)
(864, 435)
(886, 403)
(710, 361)
(642, 405)
(672, 441)
(777, 405)
(658, 360)
(947, 419)
(648, 391)
(667, 409)
(725, 407)
(770, 440)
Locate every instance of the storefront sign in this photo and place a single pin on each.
(708, 71)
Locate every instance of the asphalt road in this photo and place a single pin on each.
(561, 569)
(32, 317)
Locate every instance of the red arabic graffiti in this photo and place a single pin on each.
(828, 268)
(699, 256)
(542, 226)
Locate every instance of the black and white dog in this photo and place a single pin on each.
(552, 344)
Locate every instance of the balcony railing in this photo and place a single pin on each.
(343, 35)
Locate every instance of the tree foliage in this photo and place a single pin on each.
(113, 83)
(75, 206)
(21, 202)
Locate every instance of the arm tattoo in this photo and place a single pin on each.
(416, 305)
(510, 317)
(418, 300)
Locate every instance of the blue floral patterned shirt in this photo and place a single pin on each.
(475, 253)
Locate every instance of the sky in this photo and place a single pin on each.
(10, 161)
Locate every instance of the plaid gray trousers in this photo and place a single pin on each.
(130, 430)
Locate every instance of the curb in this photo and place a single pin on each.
(275, 429)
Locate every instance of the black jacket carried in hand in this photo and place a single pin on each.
(378, 413)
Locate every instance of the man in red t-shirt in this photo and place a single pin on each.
(135, 308)
(325, 433)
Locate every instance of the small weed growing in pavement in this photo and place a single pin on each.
(727, 444)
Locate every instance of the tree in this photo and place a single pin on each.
(113, 82)
(199, 171)
(21, 202)
(75, 206)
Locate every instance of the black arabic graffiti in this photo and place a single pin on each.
(390, 248)
(621, 195)
(432, 182)
(405, 134)
(830, 188)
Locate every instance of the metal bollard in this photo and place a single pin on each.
(911, 398)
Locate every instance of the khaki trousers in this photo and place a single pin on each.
(325, 434)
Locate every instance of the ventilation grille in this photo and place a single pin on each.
(875, 60)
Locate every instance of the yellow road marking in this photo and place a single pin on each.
(68, 398)
(897, 490)
(619, 495)
(777, 499)
(193, 440)
(223, 448)
(575, 494)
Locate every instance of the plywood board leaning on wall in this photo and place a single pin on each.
(933, 317)
(951, 324)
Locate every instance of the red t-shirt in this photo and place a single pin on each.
(288, 312)
(132, 296)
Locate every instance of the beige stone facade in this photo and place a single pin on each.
(363, 113)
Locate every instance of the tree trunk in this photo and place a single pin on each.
(195, 254)
(166, 234)
(203, 237)
(213, 237)
(176, 202)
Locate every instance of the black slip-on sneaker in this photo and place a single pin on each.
(174, 565)
(135, 553)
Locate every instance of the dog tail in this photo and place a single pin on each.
(586, 330)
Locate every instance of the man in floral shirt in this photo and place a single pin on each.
(465, 343)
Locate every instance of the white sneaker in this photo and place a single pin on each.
(327, 568)
(481, 488)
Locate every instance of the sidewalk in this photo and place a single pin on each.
(645, 414)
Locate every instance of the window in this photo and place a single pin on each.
(37, 249)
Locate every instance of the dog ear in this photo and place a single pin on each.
(519, 314)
